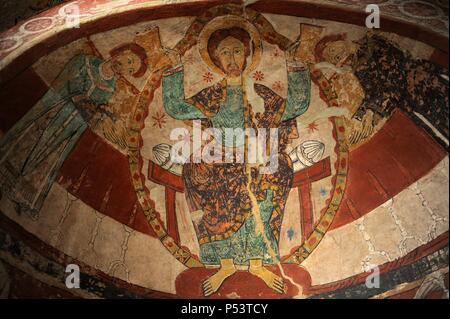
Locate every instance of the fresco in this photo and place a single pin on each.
(337, 161)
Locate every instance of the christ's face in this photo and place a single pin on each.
(231, 54)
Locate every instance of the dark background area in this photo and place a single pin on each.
(13, 11)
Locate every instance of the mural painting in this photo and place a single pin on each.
(234, 154)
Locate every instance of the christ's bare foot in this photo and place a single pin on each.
(213, 283)
(272, 281)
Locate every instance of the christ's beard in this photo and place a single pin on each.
(234, 70)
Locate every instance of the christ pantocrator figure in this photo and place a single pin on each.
(223, 197)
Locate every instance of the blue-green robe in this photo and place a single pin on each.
(34, 149)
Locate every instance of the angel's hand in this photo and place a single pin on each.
(362, 129)
(355, 133)
(169, 59)
(368, 124)
(291, 52)
(174, 57)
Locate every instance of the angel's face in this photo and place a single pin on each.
(125, 63)
(338, 52)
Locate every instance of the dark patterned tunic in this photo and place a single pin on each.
(393, 79)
